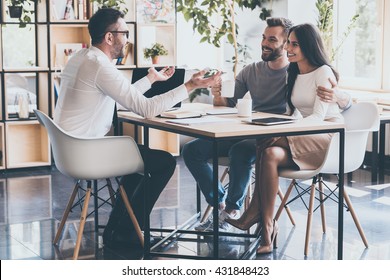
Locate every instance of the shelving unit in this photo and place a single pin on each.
(27, 144)
(23, 142)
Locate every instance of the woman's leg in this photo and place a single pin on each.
(272, 158)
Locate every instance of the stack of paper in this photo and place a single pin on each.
(180, 114)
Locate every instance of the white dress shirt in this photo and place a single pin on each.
(90, 86)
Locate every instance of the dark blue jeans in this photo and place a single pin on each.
(242, 155)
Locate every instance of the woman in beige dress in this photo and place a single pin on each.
(309, 68)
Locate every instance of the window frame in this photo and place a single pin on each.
(376, 84)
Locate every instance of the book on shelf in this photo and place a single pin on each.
(127, 53)
(62, 10)
(64, 51)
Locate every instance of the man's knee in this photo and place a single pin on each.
(192, 149)
(170, 162)
(242, 153)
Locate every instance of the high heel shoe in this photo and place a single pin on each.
(245, 222)
(267, 248)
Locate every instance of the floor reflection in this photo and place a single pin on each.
(32, 204)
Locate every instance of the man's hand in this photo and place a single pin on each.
(334, 95)
(198, 81)
(328, 94)
(218, 100)
(216, 88)
(162, 75)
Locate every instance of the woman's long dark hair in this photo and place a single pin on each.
(312, 47)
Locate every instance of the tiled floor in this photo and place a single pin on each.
(32, 202)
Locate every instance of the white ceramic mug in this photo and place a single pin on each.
(227, 88)
(244, 107)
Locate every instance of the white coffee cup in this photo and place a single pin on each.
(244, 107)
(227, 88)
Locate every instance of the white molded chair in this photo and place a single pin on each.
(92, 159)
(359, 120)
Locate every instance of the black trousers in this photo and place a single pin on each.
(160, 166)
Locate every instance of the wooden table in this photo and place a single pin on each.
(234, 128)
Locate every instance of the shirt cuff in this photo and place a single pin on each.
(143, 84)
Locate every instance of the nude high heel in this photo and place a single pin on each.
(268, 248)
(246, 221)
(251, 215)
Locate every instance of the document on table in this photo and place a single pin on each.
(221, 111)
(202, 120)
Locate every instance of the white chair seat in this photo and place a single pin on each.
(360, 119)
(92, 159)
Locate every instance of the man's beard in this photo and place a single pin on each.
(276, 53)
(118, 51)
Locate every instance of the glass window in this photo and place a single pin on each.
(18, 46)
(360, 59)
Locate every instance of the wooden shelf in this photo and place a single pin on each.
(24, 143)
(148, 34)
(27, 145)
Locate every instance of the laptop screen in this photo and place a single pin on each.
(160, 87)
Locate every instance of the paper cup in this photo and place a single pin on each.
(244, 108)
(227, 88)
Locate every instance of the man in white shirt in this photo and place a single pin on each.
(90, 86)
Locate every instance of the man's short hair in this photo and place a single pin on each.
(101, 22)
(285, 23)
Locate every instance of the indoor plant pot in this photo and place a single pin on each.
(155, 52)
(15, 11)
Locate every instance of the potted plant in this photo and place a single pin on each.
(155, 52)
(21, 9)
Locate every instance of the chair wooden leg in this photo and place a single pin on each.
(206, 213)
(322, 206)
(355, 219)
(131, 214)
(309, 218)
(283, 203)
(66, 213)
(289, 214)
(209, 208)
(83, 219)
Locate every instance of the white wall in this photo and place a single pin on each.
(192, 53)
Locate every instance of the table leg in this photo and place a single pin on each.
(215, 202)
(341, 196)
(382, 142)
(374, 157)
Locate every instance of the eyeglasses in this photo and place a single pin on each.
(127, 33)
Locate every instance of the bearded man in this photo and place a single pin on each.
(266, 82)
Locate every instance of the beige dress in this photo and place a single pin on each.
(308, 151)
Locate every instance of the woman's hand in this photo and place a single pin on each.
(162, 75)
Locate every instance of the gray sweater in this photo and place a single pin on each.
(268, 88)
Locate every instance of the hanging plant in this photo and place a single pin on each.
(24, 10)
